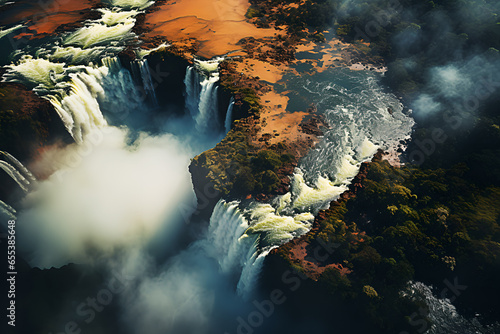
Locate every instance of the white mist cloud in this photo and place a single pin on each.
(451, 81)
(188, 294)
(179, 300)
(461, 86)
(425, 105)
(117, 196)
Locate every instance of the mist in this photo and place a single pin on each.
(112, 195)
(462, 86)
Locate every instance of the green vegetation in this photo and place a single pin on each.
(414, 223)
(241, 87)
(237, 168)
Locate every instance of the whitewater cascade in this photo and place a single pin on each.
(140, 70)
(229, 115)
(201, 93)
(20, 174)
(113, 28)
(130, 4)
(236, 252)
(5, 32)
(80, 94)
(83, 78)
(240, 245)
(17, 171)
(7, 210)
(357, 128)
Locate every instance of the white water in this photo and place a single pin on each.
(201, 94)
(131, 4)
(229, 115)
(20, 174)
(80, 94)
(37, 72)
(19, 166)
(5, 32)
(17, 171)
(358, 127)
(140, 68)
(114, 28)
(7, 210)
(240, 245)
(115, 17)
(76, 55)
(15, 175)
(230, 242)
(141, 53)
(108, 87)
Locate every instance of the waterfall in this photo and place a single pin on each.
(17, 171)
(201, 98)
(80, 90)
(141, 72)
(236, 252)
(201, 94)
(147, 80)
(229, 115)
(191, 83)
(6, 209)
(240, 245)
(15, 175)
(80, 94)
(207, 117)
(5, 32)
(227, 225)
(20, 167)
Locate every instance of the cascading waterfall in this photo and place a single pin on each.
(236, 252)
(240, 245)
(80, 90)
(15, 175)
(17, 171)
(227, 225)
(80, 93)
(201, 93)
(357, 129)
(7, 210)
(229, 115)
(208, 106)
(20, 167)
(140, 69)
